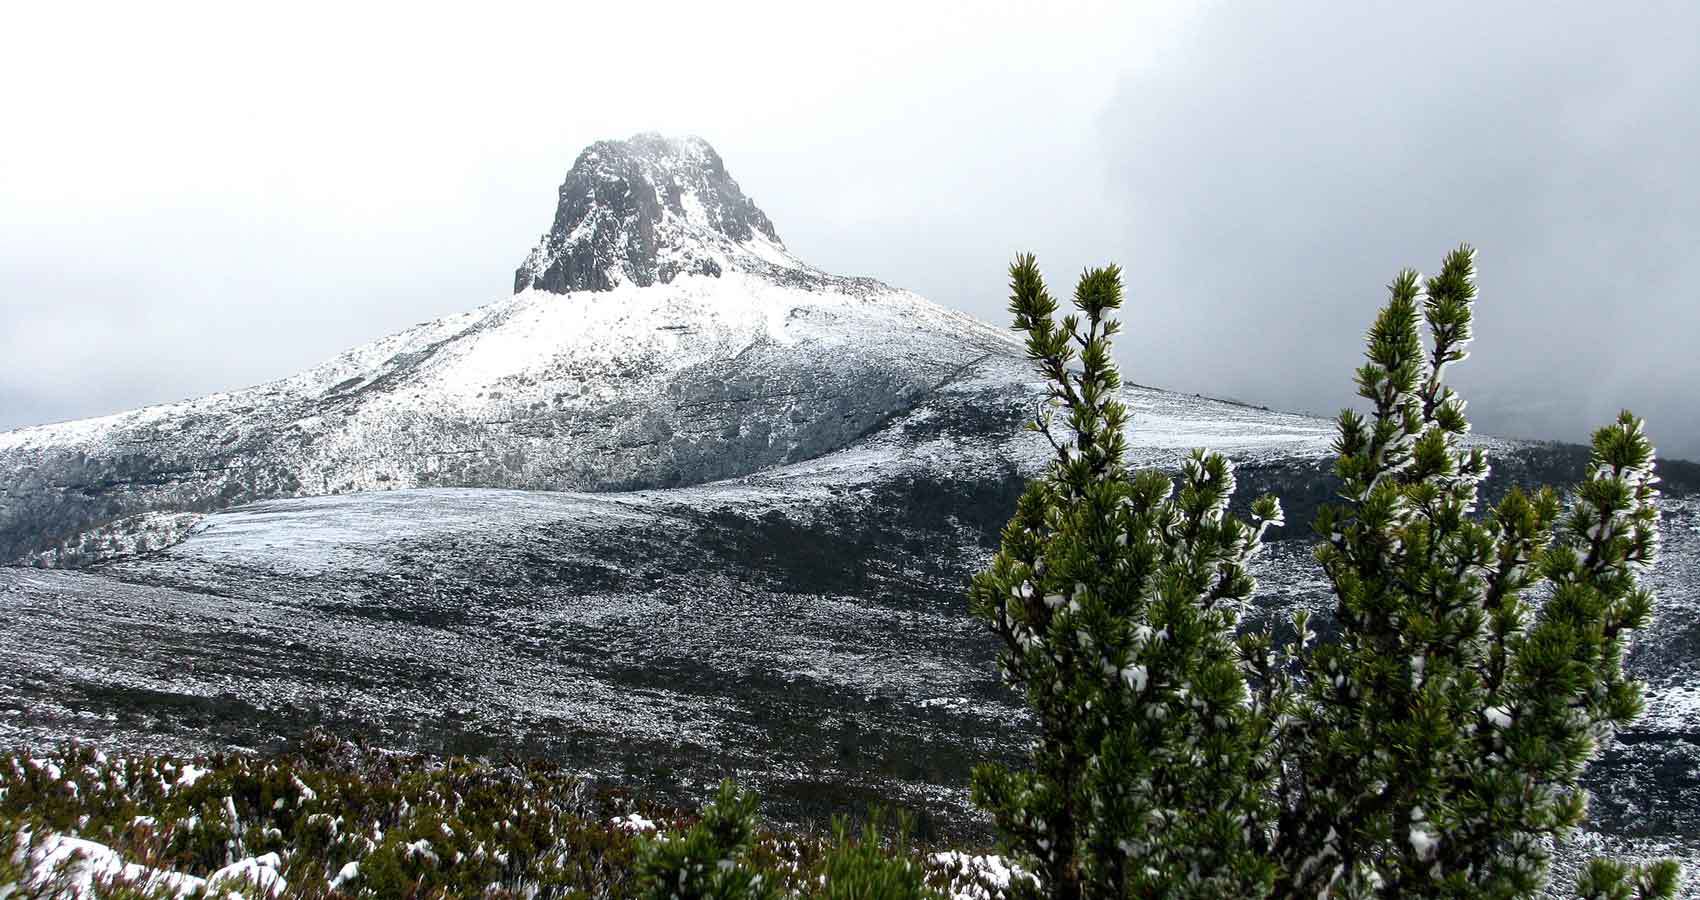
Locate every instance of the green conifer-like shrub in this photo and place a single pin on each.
(711, 859)
(1432, 747)
(865, 867)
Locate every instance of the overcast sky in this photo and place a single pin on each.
(201, 198)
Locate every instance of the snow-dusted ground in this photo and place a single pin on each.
(814, 643)
(129, 536)
(77, 869)
(800, 614)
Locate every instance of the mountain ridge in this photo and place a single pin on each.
(637, 387)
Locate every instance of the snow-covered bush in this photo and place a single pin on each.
(337, 820)
(1436, 747)
(329, 820)
(1431, 747)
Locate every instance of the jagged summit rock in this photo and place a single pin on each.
(645, 211)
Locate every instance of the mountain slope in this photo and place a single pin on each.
(700, 350)
(705, 378)
(688, 346)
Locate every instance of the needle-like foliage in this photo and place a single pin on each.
(1117, 595)
(1433, 747)
(1436, 747)
(711, 860)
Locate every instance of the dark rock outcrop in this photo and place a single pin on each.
(645, 211)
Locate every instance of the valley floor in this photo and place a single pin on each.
(639, 641)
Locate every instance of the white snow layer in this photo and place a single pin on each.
(86, 865)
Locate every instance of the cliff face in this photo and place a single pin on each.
(646, 211)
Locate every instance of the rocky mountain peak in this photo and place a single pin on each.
(646, 211)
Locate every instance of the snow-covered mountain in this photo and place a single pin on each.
(681, 506)
(661, 336)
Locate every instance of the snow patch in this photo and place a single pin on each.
(979, 877)
(633, 823)
(75, 868)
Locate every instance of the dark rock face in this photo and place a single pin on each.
(642, 212)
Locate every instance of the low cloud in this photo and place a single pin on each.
(1288, 159)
